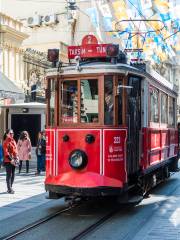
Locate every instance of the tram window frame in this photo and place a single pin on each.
(94, 119)
(109, 99)
(61, 102)
(172, 113)
(153, 123)
(49, 93)
(117, 79)
(78, 79)
(163, 110)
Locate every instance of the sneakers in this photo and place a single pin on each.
(11, 191)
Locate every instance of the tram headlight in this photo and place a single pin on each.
(78, 159)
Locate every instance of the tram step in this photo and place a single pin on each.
(131, 199)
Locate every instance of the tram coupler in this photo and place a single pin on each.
(73, 200)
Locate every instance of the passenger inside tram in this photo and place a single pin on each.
(108, 101)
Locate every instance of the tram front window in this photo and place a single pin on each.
(69, 100)
(108, 100)
(89, 101)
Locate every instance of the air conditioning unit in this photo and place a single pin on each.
(50, 19)
(34, 21)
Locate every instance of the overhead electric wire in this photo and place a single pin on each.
(140, 13)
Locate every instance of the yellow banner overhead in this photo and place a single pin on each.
(161, 3)
(120, 10)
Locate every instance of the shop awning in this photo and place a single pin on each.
(8, 89)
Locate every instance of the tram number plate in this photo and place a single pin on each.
(117, 140)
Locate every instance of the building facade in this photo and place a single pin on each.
(11, 52)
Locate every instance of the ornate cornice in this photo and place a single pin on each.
(14, 33)
(10, 46)
(10, 18)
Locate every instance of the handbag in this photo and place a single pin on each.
(15, 162)
(29, 156)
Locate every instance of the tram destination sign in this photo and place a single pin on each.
(87, 51)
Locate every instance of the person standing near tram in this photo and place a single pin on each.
(24, 150)
(41, 152)
(10, 158)
(1, 154)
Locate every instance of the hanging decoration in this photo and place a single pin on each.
(152, 26)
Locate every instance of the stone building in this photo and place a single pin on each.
(11, 52)
(20, 69)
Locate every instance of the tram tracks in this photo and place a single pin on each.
(94, 226)
(130, 235)
(89, 229)
(37, 223)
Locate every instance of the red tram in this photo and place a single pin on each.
(111, 127)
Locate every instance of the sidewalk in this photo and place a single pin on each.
(29, 193)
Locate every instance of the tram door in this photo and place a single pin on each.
(133, 119)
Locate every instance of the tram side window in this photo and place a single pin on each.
(154, 105)
(108, 100)
(171, 119)
(120, 83)
(164, 108)
(89, 101)
(69, 100)
(52, 102)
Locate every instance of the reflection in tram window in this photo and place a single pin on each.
(171, 111)
(69, 101)
(89, 101)
(108, 100)
(52, 102)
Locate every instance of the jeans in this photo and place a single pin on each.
(27, 165)
(10, 174)
(40, 163)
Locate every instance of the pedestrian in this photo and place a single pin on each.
(41, 152)
(24, 150)
(1, 154)
(10, 158)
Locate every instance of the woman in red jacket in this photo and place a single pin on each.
(10, 157)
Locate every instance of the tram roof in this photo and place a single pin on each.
(108, 67)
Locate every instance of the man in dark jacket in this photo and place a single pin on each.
(41, 152)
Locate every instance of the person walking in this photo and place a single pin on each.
(1, 154)
(41, 152)
(24, 150)
(10, 158)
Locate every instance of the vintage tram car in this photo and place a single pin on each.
(111, 127)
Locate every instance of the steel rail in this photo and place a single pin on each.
(95, 225)
(35, 224)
